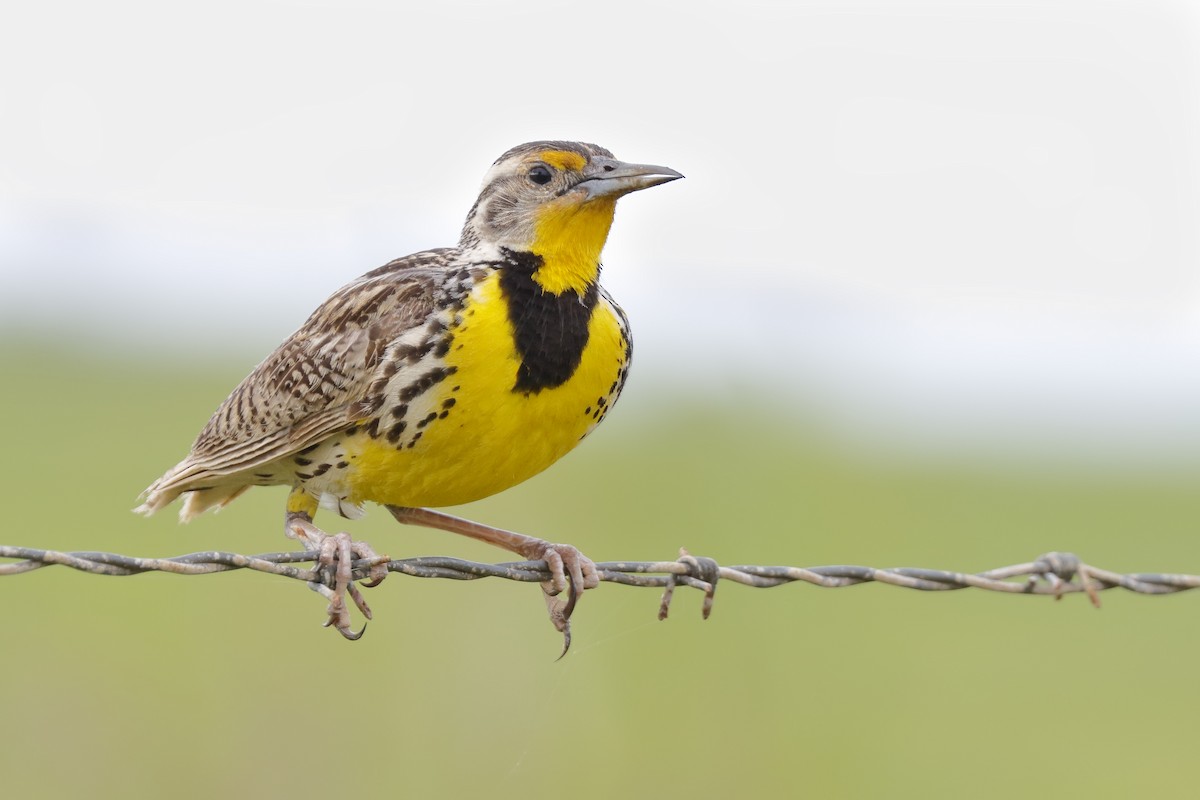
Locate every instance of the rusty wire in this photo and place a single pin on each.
(1054, 574)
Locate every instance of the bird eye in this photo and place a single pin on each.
(540, 175)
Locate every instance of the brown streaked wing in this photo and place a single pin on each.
(316, 381)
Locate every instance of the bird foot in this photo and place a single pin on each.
(571, 572)
(335, 555)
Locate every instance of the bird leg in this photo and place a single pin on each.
(569, 568)
(337, 553)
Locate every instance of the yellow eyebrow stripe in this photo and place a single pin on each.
(563, 159)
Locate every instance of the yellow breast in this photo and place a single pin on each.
(482, 436)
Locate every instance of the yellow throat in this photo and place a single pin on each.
(569, 237)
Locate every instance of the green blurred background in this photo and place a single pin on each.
(227, 685)
(928, 297)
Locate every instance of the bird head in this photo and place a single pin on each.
(556, 200)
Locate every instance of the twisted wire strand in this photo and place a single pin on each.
(1054, 574)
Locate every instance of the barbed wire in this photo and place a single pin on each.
(1054, 574)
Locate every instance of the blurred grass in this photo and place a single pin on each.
(226, 685)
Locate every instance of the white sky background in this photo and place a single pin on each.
(961, 223)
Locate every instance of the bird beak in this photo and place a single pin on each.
(607, 177)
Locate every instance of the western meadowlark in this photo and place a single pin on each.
(439, 378)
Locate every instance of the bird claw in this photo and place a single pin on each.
(571, 572)
(335, 556)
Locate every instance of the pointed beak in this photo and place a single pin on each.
(607, 177)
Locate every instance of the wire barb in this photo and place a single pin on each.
(702, 574)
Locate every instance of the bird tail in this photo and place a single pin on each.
(187, 478)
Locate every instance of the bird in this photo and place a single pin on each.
(439, 378)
